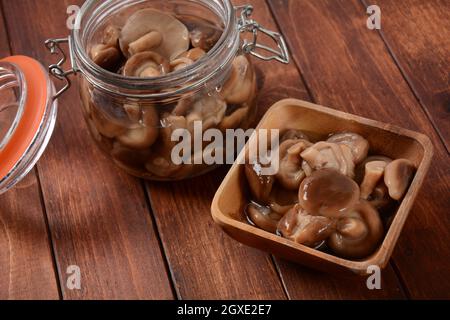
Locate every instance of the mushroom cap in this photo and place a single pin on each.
(180, 63)
(111, 36)
(290, 173)
(260, 185)
(194, 54)
(328, 155)
(328, 193)
(146, 65)
(263, 217)
(175, 34)
(203, 34)
(208, 109)
(301, 227)
(240, 86)
(357, 144)
(397, 177)
(143, 135)
(106, 57)
(358, 233)
(235, 119)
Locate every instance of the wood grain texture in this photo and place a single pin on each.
(98, 216)
(206, 263)
(348, 67)
(26, 265)
(417, 34)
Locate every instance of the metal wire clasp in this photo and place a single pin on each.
(56, 70)
(247, 24)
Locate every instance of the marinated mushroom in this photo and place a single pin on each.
(373, 173)
(290, 173)
(144, 134)
(203, 34)
(239, 87)
(263, 217)
(106, 124)
(210, 110)
(397, 177)
(235, 119)
(106, 57)
(260, 185)
(361, 168)
(194, 54)
(180, 63)
(146, 65)
(357, 144)
(145, 24)
(328, 193)
(327, 155)
(358, 233)
(301, 227)
(148, 42)
(379, 198)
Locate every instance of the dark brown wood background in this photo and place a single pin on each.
(143, 240)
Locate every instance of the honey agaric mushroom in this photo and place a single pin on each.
(328, 193)
(204, 35)
(301, 227)
(290, 173)
(210, 110)
(144, 134)
(239, 87)
(146, 43)
(357, 144)
(373, 173)
(397, 177)
(260, 185)
(379, 197)
(327, 155)
(106, 57)
(194, 54)
(146, 65)
(144, 23)
(358, 233)
(180, 63)
(235, 119)
(263, 217)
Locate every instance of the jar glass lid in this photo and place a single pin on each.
(27, 117)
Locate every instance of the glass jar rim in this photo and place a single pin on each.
(190, 79)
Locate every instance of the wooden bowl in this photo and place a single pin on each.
(385, 139)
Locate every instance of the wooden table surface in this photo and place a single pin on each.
(143, 240)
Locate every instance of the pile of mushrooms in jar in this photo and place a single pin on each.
(328, 195)
(151, 44)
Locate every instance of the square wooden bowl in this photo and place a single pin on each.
(385, 139)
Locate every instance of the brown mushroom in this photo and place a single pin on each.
(203, 34)
(301, 227)
(260, 185)
(379, 198)
(106, 57)
(210, 110)
(397, 177)
(106, 124)
(357, 144)
(132, 159)
(180, 63)
(235, 119)
(263, 217)
(143, 28)
(144, 134)
(290, 173)
(111, 36)
(327, 155)
(373, 173)
(239, 87)
(146, 65)
(328, 193)
(358, 233)
(194, 54)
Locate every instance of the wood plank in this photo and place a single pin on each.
(221, 267)
(98, 216)
(26, 264)
(348, 67)
(417, 34)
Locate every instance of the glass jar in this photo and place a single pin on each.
(135, 120)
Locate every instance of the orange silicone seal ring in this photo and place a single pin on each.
(35, 106)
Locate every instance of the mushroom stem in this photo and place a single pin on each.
(146, 43)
